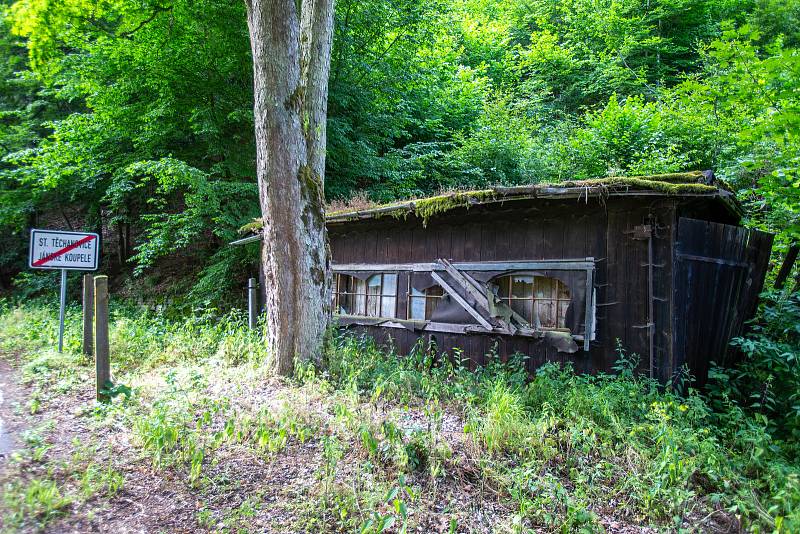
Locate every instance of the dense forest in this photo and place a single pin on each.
(135, 118)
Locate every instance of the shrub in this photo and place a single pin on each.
(767, 380)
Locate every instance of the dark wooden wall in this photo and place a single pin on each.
(535, 230)
(719, 273)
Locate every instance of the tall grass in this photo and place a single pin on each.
(140, 339)
(563, 444)
(559, 447)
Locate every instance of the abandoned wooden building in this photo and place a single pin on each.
(557, 273)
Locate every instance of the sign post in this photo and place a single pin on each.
(67, 251)
(61, 310)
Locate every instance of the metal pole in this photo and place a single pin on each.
(61, 310)
(252, 302)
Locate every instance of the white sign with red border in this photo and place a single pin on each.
(57, 249)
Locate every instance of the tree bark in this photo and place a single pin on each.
(291, 62)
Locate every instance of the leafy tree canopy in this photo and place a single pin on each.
(136, 116)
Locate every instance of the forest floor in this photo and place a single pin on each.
(200, 437)
(76, 467)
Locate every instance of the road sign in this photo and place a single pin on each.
(57, 249)
(68, 251)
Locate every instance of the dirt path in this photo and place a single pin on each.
(12, 398)
(147, 503)
(150, 499)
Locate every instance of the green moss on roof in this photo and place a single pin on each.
(695, 182)
(676, 185)
(429, 207)
(252, 227)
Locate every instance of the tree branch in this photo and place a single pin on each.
(156, 12)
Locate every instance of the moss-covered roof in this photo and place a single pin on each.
(687, 184)
(695, 183)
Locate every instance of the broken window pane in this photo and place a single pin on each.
(539, 300)
(373, 295)
(360, 301)
(421, 304)
(389, 285)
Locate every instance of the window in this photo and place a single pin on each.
(421, 304)
(374, 297)
(540, 300)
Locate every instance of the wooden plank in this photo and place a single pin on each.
(573, 244)
(551, 237)
(557, 265)
(728, 284)
(418, 244)
(464, 304)
(472, 245)
(717, 261)
(430, 242)
(102, 354)
(517, 233)
(502, 241)
(565, 265)
(662, 290)
(444, 246)
(533, 247)
(613, 327)
(589, 309)
(457, 241)
(467, 284)
(488, 241)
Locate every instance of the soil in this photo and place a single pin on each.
(12, 397)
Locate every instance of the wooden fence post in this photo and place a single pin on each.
(88, 315)
(102, 361)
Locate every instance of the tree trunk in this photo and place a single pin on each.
(291, 61)
(786, 266)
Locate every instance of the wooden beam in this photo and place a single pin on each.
(383, 267)
(101, 349)
(479, 294)
(706, 259)
(468, 286)
(557, 265)
(589, 306)
(464, 304)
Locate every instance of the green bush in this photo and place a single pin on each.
(767, 380)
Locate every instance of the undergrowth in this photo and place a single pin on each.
(557, 451)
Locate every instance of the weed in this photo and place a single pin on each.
(103, 480)
(35, 502)
(552, 447)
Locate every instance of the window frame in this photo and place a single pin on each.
(586, 265)
(337, 294)
(533, 299)
(425, 297)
